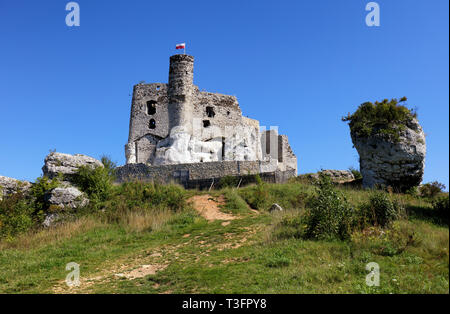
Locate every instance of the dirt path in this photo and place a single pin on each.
(151, 261)
(208, 207)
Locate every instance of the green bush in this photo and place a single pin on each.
(380, 210)
(356, 173)
(330, 215)
(38, 192)
(431, 189)
(413, 191)
(16, 215)
(386, 119)
(109, 165)
(441, 206)
(95, 182)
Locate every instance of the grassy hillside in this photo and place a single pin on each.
(144, 238)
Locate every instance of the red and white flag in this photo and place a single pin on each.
(180, 46)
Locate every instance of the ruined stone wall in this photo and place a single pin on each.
(149, 121)
(288, 157)
(212, 113)
(195, 174)
(276, 148)
(145, 95)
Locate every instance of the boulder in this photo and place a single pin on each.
(275, 207)
(339, 176)
(9, 186)
(67, 165)
(399, 164)
(50, 220)
(68, 197)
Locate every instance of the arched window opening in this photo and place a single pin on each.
(151, 107)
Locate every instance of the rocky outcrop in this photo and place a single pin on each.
(398, 164)
(67, 198)
(337, 176)
(275, 208)
(9, 186)
(67, 165)
(66, 195)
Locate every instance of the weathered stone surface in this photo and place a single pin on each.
(67, 165)
(194, 175)
(339, 176)
(67, 198)
(397, 164)
(9, 186)
(50, 220)
(275, 207)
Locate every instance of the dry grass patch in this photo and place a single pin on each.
(144, 220)
(63, 231)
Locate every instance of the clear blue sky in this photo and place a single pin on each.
(301, 65)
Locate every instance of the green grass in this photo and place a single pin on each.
(245, 256)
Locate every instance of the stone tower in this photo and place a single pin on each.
(181, 92)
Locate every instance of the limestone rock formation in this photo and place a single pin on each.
(67, 165)
(50, 220)
(9, 186)
(67, 198)
(66, 195)
(399, 164)
(337, 176)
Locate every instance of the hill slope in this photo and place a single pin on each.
(236, 250)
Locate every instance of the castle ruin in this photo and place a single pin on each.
(177, 131)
